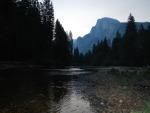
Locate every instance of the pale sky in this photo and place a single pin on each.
(80, 15)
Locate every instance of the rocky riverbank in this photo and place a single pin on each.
(118, 90)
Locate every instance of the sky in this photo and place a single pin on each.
(80, 16)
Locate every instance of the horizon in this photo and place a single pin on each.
(81, 15)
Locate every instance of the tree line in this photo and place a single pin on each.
(29, 33)
(131, 49)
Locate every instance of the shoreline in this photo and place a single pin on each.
(119, 91)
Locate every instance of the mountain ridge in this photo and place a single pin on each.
(105, 27)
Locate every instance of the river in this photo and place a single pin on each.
(73, 90)
(44, 91)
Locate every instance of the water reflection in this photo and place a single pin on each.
(43, 91)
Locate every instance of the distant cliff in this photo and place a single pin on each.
(105, 27)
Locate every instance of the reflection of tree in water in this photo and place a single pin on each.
(57, 90)
(30, 92)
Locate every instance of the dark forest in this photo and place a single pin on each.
(29, 34)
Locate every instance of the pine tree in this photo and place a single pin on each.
(61, 45)
(146, 47)
(129, 43)
(7, 28)
(116, 49)
(101, 54)
(76, 57)
(70, 37)
(140, 45)
(48, 19)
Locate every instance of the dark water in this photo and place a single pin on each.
(44, 91)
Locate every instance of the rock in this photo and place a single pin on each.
(120, 101)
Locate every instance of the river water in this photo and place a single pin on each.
(44, 91)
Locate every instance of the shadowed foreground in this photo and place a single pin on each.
(75, 90)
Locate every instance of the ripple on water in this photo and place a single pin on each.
(75, 104)
(72, 101)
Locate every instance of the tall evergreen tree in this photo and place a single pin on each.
(48, 19)
(76, 57)
(7, 28)
(116, 49)
(62, 45)
(129, 45)
(146, 47)
(70, 38)
(140, 45)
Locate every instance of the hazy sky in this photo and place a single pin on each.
(80, 15)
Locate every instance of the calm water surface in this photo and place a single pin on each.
(44, 91)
